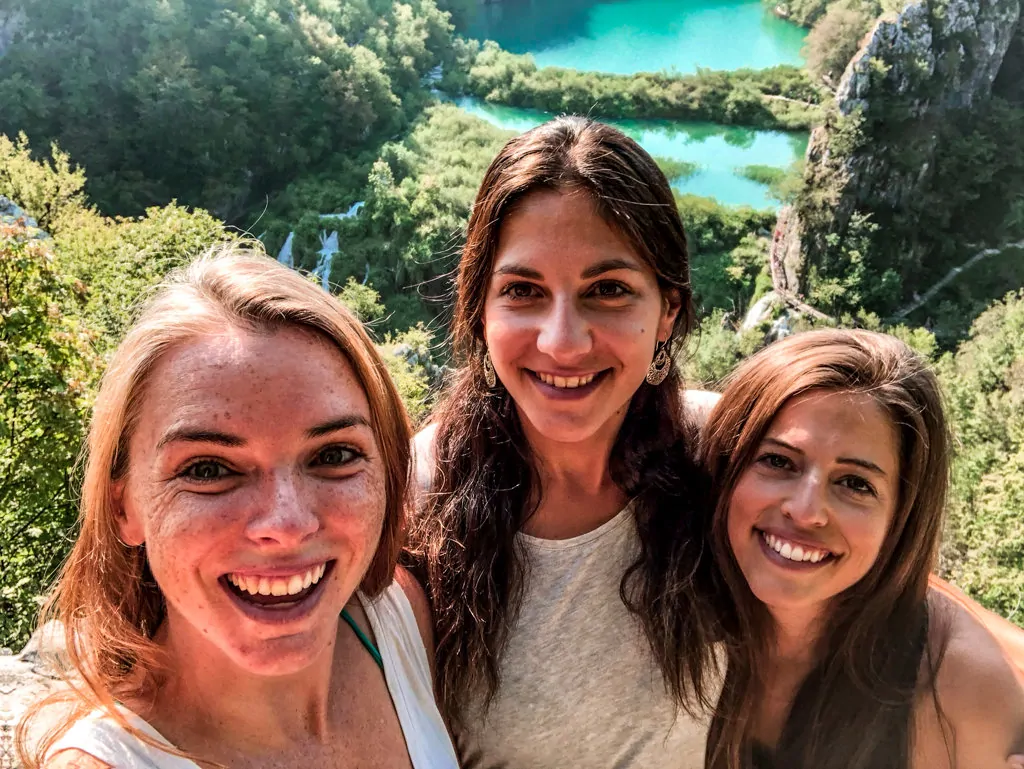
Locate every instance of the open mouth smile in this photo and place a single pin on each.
(794, 554)
(276, 591)
(571, 386)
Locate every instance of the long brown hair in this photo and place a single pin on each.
(105, 595)
(485, 483)
(853, 709)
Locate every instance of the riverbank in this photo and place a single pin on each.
(781, 98)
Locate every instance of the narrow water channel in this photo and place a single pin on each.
(718, 151)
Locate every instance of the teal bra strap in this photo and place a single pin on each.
(363, 638)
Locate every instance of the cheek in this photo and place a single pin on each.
(356, 510)
(867, 534)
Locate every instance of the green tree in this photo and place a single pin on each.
(835, 38)
(984, 381)
(46, 365)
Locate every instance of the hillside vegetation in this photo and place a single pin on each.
(302, 118)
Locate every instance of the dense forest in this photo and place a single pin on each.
(135, 133)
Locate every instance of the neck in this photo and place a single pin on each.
(205, 699)
(578, 493)
(797, 633)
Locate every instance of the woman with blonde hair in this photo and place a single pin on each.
(232, 597)
(829, 455)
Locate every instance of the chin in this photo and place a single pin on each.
(278, 657)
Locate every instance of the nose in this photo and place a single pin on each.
(806, 503)
(285, 514)
(565, 332)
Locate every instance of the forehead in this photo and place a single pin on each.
(286, 378)
(840, 423)
(554, 230)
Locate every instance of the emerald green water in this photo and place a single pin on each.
(718, 150)
(627, 36)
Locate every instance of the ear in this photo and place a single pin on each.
(671, 304)
(129, 522)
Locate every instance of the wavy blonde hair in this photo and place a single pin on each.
(105, 596)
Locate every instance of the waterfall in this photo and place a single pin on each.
(285, 256)
(328, 248)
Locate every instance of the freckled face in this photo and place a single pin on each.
(254, 481)
(572, 317)
(809, 516)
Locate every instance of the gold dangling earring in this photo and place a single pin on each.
(489, 374)
(659, 368)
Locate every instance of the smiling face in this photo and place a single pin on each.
(572, 317)
(255, 483)
(808, 518)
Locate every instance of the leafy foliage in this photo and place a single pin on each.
(46, 366)
(778, 97)
(835, 38)
(213, 103)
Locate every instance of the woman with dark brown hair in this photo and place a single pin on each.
(564, 461)
(829, 453)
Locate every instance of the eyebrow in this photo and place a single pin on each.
(864, 463)
(191, 435)
(606, 265)
(519, 271)
(341, 423)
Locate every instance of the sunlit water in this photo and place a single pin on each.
(719, 150)
(628, 36)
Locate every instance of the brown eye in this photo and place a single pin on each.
(519, 291)
(609, 289)
(857, 485)
(206, 470)
(335, 456)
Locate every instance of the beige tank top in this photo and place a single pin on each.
(579, 686)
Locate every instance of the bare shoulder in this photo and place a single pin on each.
(73, 758)
(698, 405)
(423, 458)
(420, 607)
(979, 694)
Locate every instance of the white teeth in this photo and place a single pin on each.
(563, 382)
(793, 552)
(278, 586)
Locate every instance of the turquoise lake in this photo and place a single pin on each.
(718, 150)
(627, 36)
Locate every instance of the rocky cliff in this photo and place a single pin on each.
(877, 149)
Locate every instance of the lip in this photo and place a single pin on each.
(785, 563)
(279, 570)
(567, 393)
(284, 613)
(806, 544)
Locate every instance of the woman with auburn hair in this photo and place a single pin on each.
(829, 452)
(564, 460)
(232, 597)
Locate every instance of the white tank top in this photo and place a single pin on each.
(579, 685)
(406, 671)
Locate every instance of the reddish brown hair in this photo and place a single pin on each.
(105, 596)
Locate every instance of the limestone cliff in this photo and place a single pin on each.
(878, 148)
